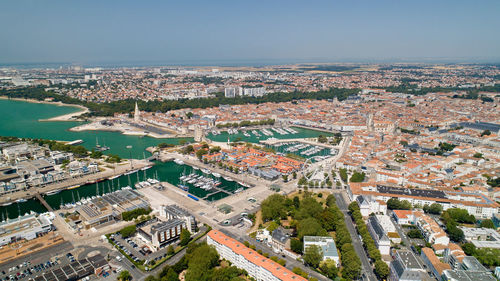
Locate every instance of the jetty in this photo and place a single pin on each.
(44, 203)
(215, 192)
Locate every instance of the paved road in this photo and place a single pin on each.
(356, 242)
(40, 256)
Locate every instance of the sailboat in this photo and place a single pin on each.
(98, 147)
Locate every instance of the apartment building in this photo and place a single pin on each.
(431, 231)
(257, 266)
(379, 236)
(476, 204)
(405, 267)
(368, 205)
(433, 263)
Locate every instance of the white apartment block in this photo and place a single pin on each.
(257, 266)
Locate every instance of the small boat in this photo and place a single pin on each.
(227, 179)
(53, 192)
(113, 177)
(7, 204)
(205, 171)
(217, 175)
(183, 187)
(238, 190)
(145, 168)
(71, 187)
(178, 161)
(195, 168)
(22, 200)
(131, 172)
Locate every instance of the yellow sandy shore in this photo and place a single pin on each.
(65, 117)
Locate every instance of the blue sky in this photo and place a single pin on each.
(224, 31)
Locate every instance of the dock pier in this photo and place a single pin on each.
(218, 190)
(44, 203)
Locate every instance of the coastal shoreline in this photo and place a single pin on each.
(118, 170)
(64, 117)
(124, 130)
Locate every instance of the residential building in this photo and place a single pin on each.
(476, 204)
(431, 231)
(368, 205)
(405, 267)
(327, 245)
(454, 255)
(433, 263)
(279, 240)
(257, 266)
(379, 235)
(405, 216)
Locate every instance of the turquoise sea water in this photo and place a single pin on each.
(20, 119)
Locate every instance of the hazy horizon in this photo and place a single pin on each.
(240, 33)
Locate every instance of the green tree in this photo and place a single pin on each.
(469, 249)
(396, 204)
(415, 233)
(200, 262)
(455, 233)
(124, 276)
(313, 256)
(381, 269)
(310, 227)
(343, 174)
(273, 207)
(487, 223)
(185, 237)
(357, 177)
(170, 250)
(128, 231)
(330, 200)
(434, 208)
(329, 268)
(296, 245)
(171, 275)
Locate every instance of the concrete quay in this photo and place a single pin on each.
(118, 169)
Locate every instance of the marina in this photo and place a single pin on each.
(117, 143)
(256, 135)
(309, 151)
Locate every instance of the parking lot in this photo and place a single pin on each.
(137, 250)
(30, 268)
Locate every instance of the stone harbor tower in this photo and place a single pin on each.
(198, 133)
(137, 113)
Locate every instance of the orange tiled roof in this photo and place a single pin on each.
(276, 269)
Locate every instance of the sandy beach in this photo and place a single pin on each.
(65, 117)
